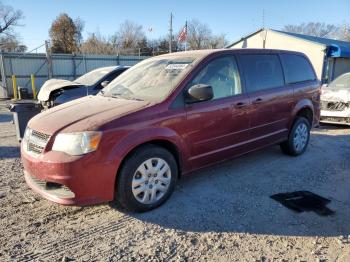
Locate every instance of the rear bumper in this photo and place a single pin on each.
(82, 180)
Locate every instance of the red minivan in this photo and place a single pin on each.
(165, 117)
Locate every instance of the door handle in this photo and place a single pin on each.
(257, 101)
(240, 105)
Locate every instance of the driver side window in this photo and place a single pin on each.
(222, 75)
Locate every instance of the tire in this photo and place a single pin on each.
(140, 187)
(301, 128)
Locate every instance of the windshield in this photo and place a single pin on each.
(341, 82)
(93, 76)
(151, 80)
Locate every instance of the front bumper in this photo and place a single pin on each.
(335, 117)
(70, 180)
(61, 194)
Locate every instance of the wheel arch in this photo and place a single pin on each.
(303, 108)
(307, 113)
(162, 137)
(164, 143)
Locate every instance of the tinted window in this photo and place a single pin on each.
(110, 77)
(222, 75)
(296, 68)
(262, 72)
(113, 75)
(70, 94)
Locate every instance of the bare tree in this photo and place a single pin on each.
(11, 44)
(79, 24)
(9, 18)
(343, 32)
(313, 29)
(96, 44)
(65, 34)
(161, 46)
(129, 36)
(200, 36)
(218, 41)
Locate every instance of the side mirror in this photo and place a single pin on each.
(104, 84)
(200, 92)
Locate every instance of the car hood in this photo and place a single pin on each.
(52, 85)
(84, 114)
(340, 95)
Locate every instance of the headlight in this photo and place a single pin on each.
(77, 143)
(26, 136)
(27, 133)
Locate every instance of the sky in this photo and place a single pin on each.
(233, 18)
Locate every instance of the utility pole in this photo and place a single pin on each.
(49, 60)
(263, 18)
(264, 30)
(186, 35)
(170, 32)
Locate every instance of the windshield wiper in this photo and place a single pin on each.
(117, 95)
(125, 97)
(133, 98)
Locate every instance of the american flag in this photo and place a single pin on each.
(183, 34)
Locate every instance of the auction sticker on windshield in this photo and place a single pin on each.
(176, 66)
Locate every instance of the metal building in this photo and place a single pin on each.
(329, 57)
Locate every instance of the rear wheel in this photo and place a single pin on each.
(147, 179)
(298, 138)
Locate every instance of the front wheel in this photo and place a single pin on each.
(147, 179)
(298, 138)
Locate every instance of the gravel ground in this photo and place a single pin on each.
(223, 213)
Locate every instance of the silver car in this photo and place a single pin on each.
(335, 101)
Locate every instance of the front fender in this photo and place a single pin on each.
(131, 140)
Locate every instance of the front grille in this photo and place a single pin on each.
(40, 135)
(334, 106)
(35, 148)
(37, 142)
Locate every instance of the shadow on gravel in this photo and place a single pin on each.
(6, 118)
(9, 152)
(235, 196)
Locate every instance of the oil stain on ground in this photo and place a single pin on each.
(304, 201)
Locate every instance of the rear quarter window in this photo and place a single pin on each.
(262, 71)
(297, 69)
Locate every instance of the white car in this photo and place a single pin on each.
(335, 101)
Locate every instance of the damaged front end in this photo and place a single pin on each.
(52, 89)
(335, 107)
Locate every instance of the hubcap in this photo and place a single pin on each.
(151, 180)
(300, 137)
